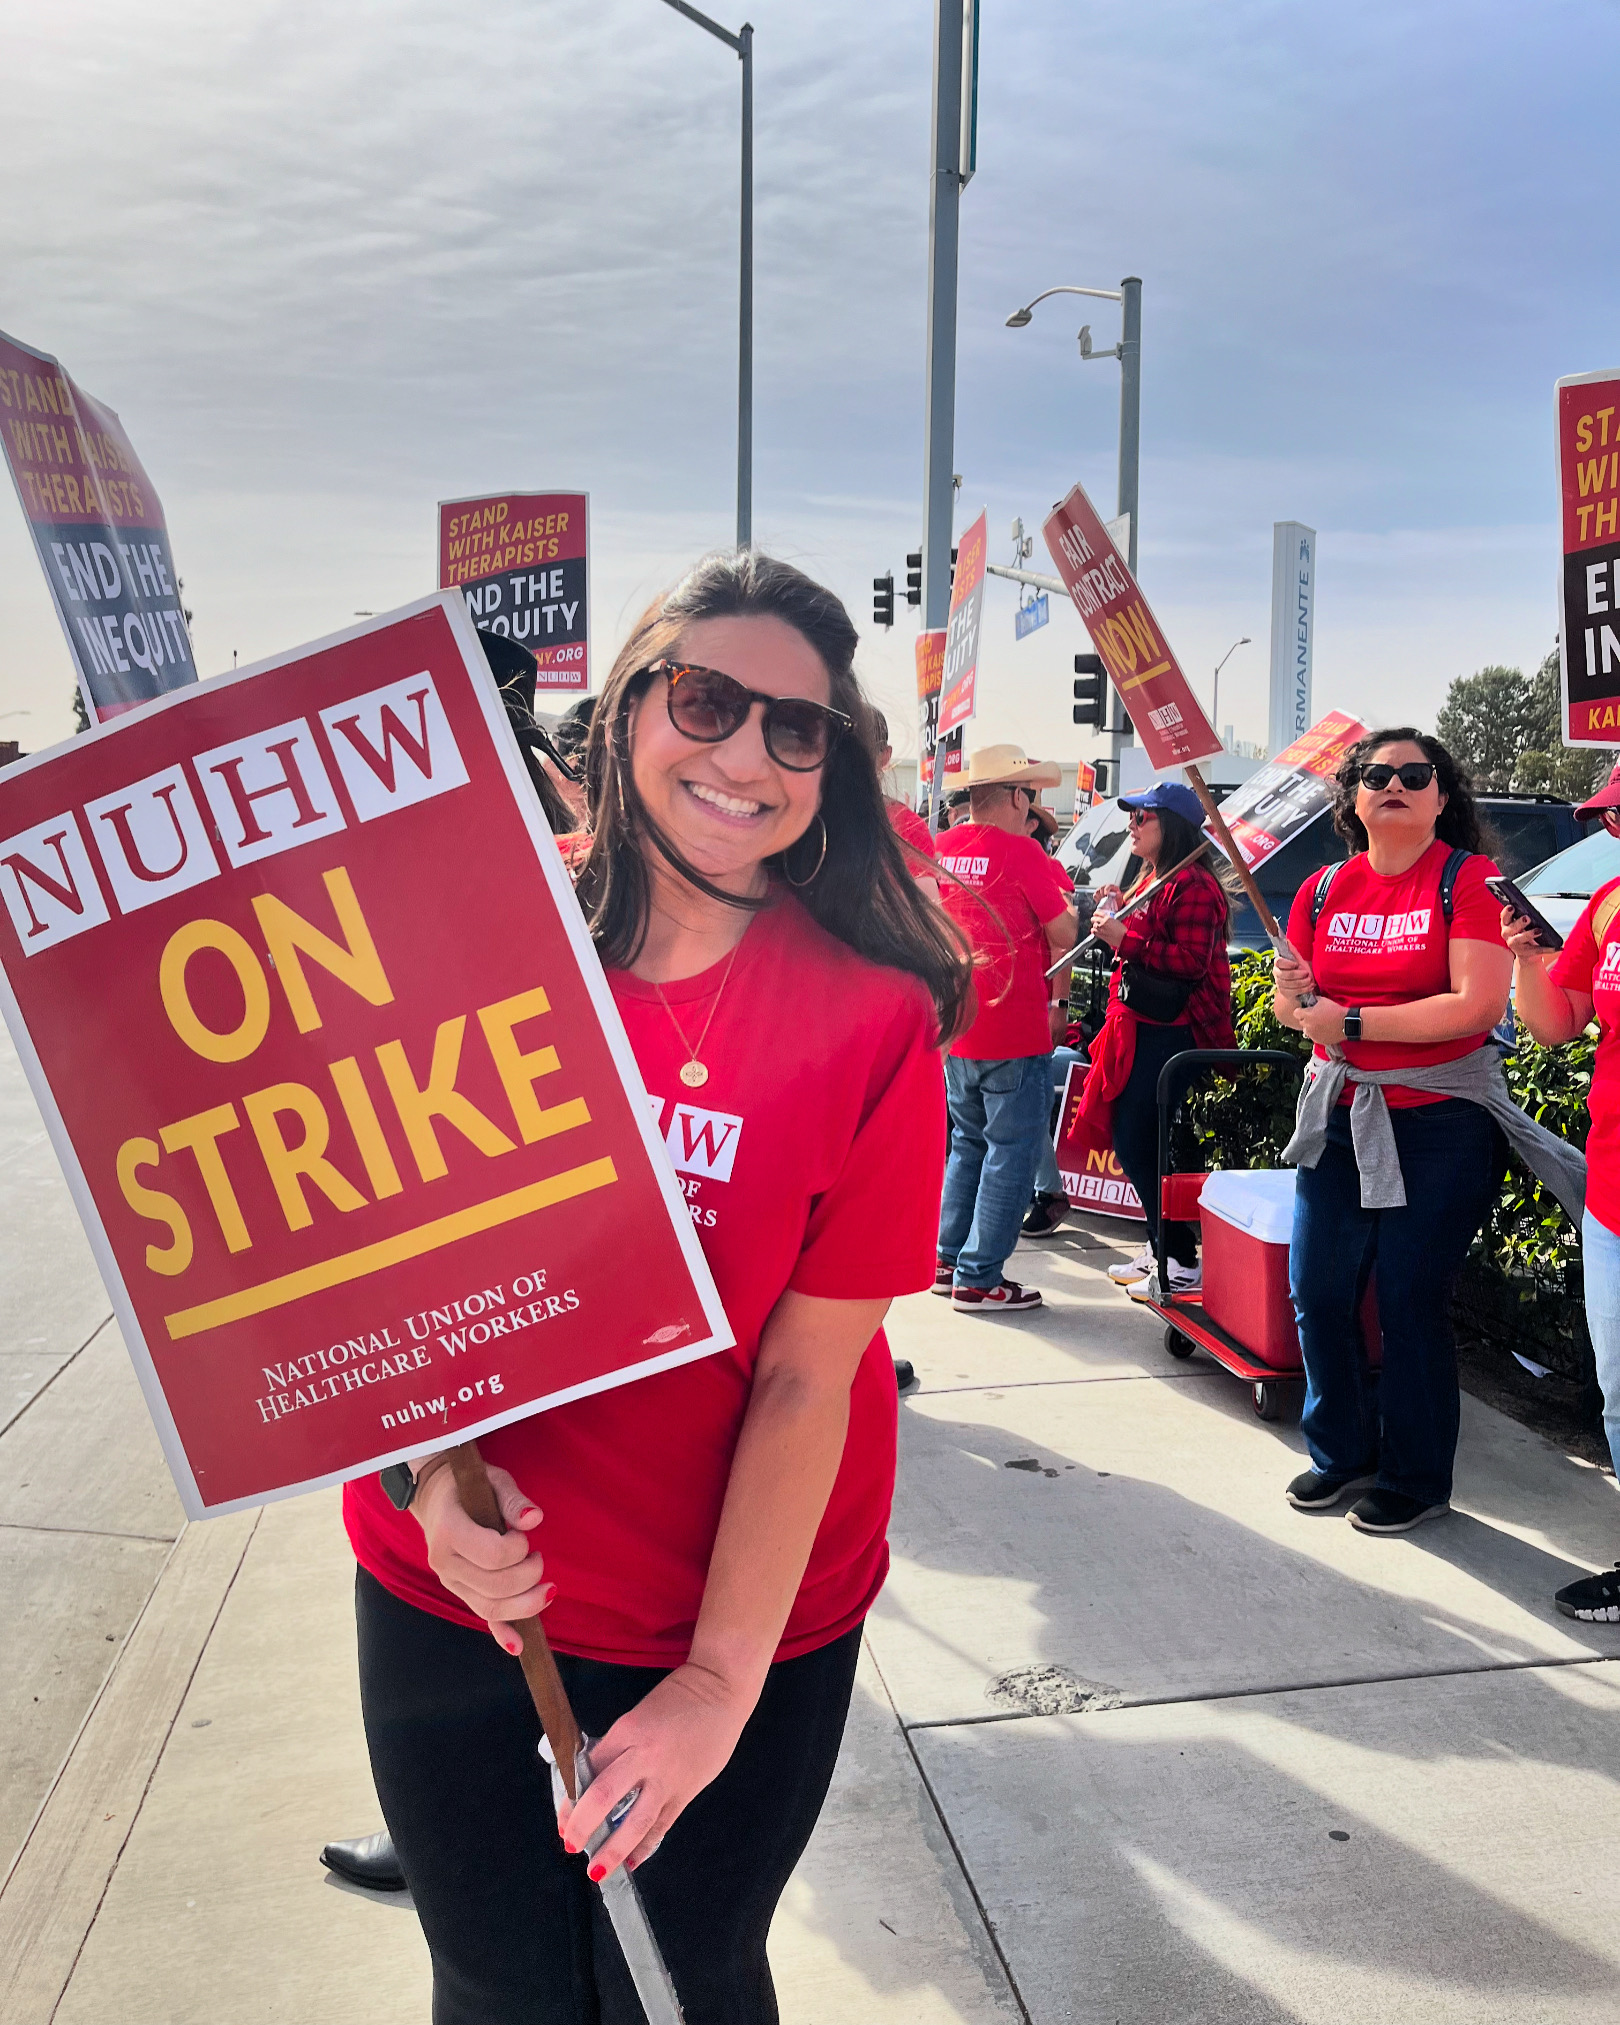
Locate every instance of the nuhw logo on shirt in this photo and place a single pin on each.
(1609, 968)
(969, 870)
(1381, 934)
(703, 1142)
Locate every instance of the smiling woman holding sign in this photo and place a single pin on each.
(705, 1544)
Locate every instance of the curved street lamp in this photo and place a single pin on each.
(1215, 699)
(1129, 353)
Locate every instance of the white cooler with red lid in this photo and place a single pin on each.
(1247, 1217)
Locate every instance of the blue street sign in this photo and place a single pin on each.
(1031, 617)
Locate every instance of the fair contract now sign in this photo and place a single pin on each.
(332, 1068)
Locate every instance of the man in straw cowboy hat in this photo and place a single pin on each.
(1000, 886)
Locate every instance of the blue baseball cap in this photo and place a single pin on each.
(1168, 794)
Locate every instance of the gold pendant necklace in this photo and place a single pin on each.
(694, 1075)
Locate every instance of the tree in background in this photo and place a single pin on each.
(1550, 766)
(1506, 728)
(1487, 722)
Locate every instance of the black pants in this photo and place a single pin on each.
(1136, 1132)
(517, 1933)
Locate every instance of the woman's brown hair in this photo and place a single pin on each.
(860, 890)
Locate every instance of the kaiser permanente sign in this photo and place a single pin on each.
(356, 1158)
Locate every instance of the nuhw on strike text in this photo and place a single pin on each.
(265, 794)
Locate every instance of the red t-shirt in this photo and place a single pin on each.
(910, 828)
(1384, 942)
(1585, 965)
(812, 1159)
(991, 869)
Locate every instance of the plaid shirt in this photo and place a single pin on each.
(1181, 932)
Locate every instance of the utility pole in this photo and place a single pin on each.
(944, 207)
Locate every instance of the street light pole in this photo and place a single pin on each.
(1130, 404)
(743, 43)
(1129, 353)
(1215, 696)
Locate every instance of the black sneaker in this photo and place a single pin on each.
(1314, 1492)
(1392, 1512)
(1044, 1215)
(1595, 1599)
(905, 1375)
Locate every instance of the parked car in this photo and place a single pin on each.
(1562, 886)
(1521, 830)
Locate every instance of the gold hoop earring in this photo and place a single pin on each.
(820, 861)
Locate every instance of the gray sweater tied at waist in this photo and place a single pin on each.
(1475, 1077)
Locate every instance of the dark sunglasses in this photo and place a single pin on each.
(1416, 774)
(711, 707)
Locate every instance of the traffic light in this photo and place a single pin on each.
(1102, 776)
(1090, 691)
(914, 576)
(883, 600)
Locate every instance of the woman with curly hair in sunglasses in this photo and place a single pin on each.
(1401, 977)
(713, 1536)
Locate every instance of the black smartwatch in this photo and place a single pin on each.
(1352, 1023)
(399, 1485)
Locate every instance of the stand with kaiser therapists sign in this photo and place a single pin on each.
(99, 532)
(1588, 429)
(521, 560)
(355, 1161)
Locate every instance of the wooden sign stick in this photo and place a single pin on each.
(556, 1714)
(1257, 900)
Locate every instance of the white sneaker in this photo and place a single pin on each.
(1183, 1280)
(1132, 1269)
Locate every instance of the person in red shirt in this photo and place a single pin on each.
(909, 827)
(1171, 990)
(1558, 994)
(712, 1536)
(1014, 903)
(1399, 988)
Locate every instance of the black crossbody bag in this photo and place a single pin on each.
(1153, 996)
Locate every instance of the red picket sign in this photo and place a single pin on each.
(338, 1083)
(1089, 1166)
(1588, 423)
(521, 560)
(958, 700)
(1173, 729)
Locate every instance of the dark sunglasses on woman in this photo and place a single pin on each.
(711, 707)
(1416, 774)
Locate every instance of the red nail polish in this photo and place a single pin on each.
(597, 1872)
(571, 1847)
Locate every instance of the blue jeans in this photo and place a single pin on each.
(1403, 1422)
(1600, 1251)
(998, 1119)
(1048, 1181)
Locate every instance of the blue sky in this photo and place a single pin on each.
(334, 263)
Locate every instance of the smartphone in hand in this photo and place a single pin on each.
(1547, 937)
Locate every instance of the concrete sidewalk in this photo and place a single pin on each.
(1133, 1743)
